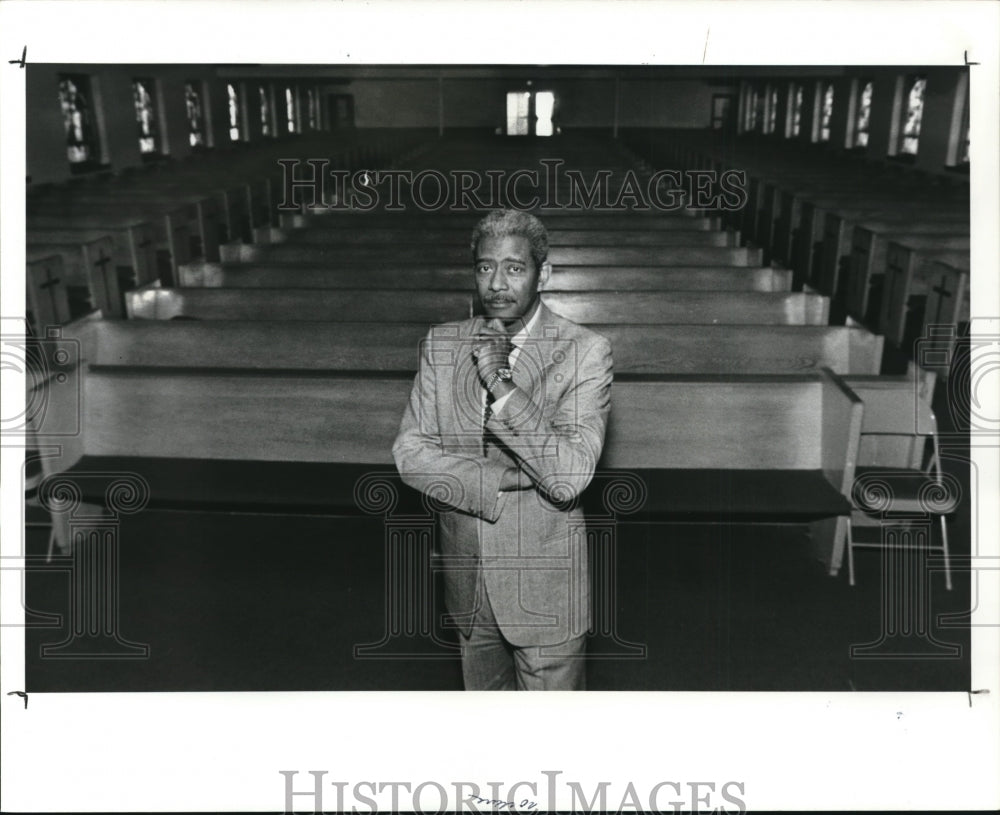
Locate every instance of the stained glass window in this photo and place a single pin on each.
(914, 113)
(824, 127)
(144, 95)
(290, 109)
(265, 111)
(78, 119)
(312, 95)
(797, 110)
(234, 113)
(864, 115)
(752, 104)
(772, 109)
(195, 116)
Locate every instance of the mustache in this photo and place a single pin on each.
(498, 300)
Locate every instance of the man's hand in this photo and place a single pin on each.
(491, 349)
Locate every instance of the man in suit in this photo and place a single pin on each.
(504, 427)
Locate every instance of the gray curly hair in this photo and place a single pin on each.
(503, 222)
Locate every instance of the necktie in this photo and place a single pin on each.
(487, 412)
(488, 409)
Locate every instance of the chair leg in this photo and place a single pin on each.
(850, 555)
(52, 544)
(947, 554)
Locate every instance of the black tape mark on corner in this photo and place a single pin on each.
(22, 694)
(976, 693)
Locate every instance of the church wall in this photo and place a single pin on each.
(584, 103)
(115, 113)
(476, 103)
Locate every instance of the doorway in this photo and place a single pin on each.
(531, 113)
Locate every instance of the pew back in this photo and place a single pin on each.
(460, 278)
(800, 422)
(303, 346)
(682, 307)
(401, 255)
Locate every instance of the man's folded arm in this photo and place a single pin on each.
(469, 483)
(561, 454)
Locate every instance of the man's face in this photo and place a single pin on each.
(506, 277)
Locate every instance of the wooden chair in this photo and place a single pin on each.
(898, 483)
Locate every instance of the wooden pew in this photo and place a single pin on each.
(135, 242)
(557, 220)
(946, 313)
(298, 443)
(857, 243)
(807, 220)
(88, 267)
(910, 272)
(869, 255)
(172, 236)
(557, 237)
(48, 304)
(389, 255)
(304, 346)
(778, 208)
(204, 211)
(404, 305)
(461, 278)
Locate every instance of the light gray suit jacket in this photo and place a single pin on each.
(530, 545)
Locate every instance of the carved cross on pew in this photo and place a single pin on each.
(48, 287)
(106, 285)
(48, 301)
(943, 294)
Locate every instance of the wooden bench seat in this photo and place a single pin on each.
(461, 278)
(404, 305)
(789, 458)
(304, 346)
(397, 254)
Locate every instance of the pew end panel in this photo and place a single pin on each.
(842, 414)
(47, 300)
(866, 349)
(946, 311)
